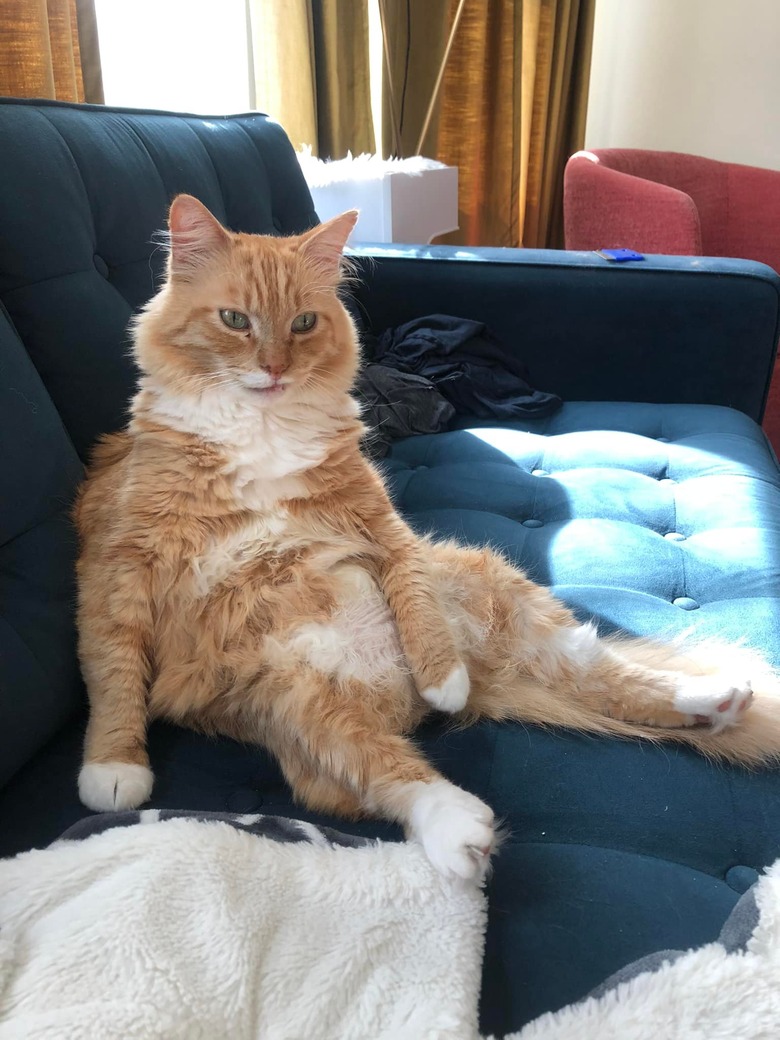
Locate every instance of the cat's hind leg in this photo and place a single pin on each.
(337, 727)
(530, 659)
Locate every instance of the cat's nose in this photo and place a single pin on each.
(275, 369)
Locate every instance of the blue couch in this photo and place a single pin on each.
(653, 516)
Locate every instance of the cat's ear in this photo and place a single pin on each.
(195, 233)
(323, 246)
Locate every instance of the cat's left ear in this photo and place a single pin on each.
(323, 246)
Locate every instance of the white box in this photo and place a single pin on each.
(397, 206)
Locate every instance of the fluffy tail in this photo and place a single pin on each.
(750, 737)
(753, 739)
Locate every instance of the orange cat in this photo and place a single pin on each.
(242, 571)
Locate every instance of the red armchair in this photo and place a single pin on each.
(666, 202)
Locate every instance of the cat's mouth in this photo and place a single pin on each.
(262, 390)
(267, 391)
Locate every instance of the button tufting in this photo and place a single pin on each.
(539, 473)
(100, 265)
(685, 603)
(663, 440)
(244, 800)
(674, 536)
(666, 480)
(533, 523)
(740, 878)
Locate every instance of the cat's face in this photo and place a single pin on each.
(249, 314)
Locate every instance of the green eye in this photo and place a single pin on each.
(234, 319)
(304, 322)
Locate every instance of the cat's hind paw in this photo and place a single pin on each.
(715, 700)
(455, 829)
(453, 693)
(114, 786)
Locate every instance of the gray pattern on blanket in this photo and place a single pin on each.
(278, 828)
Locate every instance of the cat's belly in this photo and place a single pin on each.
(230, 616)
(358, 641)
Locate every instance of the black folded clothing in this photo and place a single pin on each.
(398, 404)
(468, 365)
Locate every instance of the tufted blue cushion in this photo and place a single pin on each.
(652, 518)
(649, 517)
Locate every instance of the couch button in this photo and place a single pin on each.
(100, 265)
(539, 473)
(244, 800)
(685, 603)
(533, 523)
(675, 536)
(667, 480)
(740, 879)
(663, 440)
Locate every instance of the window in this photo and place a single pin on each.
(183, 55)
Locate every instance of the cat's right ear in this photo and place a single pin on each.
(195, 235)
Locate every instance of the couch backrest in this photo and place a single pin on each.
(82, 190)
(39, 472)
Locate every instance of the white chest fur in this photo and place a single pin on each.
(266, 446)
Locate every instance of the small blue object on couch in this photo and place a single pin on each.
(654, 516)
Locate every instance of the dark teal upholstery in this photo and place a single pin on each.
(39, 471)
(652, 516)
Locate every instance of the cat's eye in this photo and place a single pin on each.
(234, 319)
(304, 322)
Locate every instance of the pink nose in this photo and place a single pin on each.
(275, 370)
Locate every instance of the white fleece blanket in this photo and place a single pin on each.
(197, 930)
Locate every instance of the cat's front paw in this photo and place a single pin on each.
(114, 786)
(455, 829)
(715, 700)
(453, 693)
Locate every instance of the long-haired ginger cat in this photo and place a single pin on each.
(243, 572)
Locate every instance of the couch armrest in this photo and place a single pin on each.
(668, 329)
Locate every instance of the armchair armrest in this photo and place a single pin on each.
(606, 208)
(667, 329)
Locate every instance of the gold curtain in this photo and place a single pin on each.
(310, 70)
(415, 38)
(510, 111)
(50, 50)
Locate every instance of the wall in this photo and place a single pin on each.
(698, 76)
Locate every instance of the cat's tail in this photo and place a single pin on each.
(752, 740)
(725, 723)
(750, 732)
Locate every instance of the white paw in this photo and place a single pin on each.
(114, 786)
(452, 695)
(714, 699)
(455, 829)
